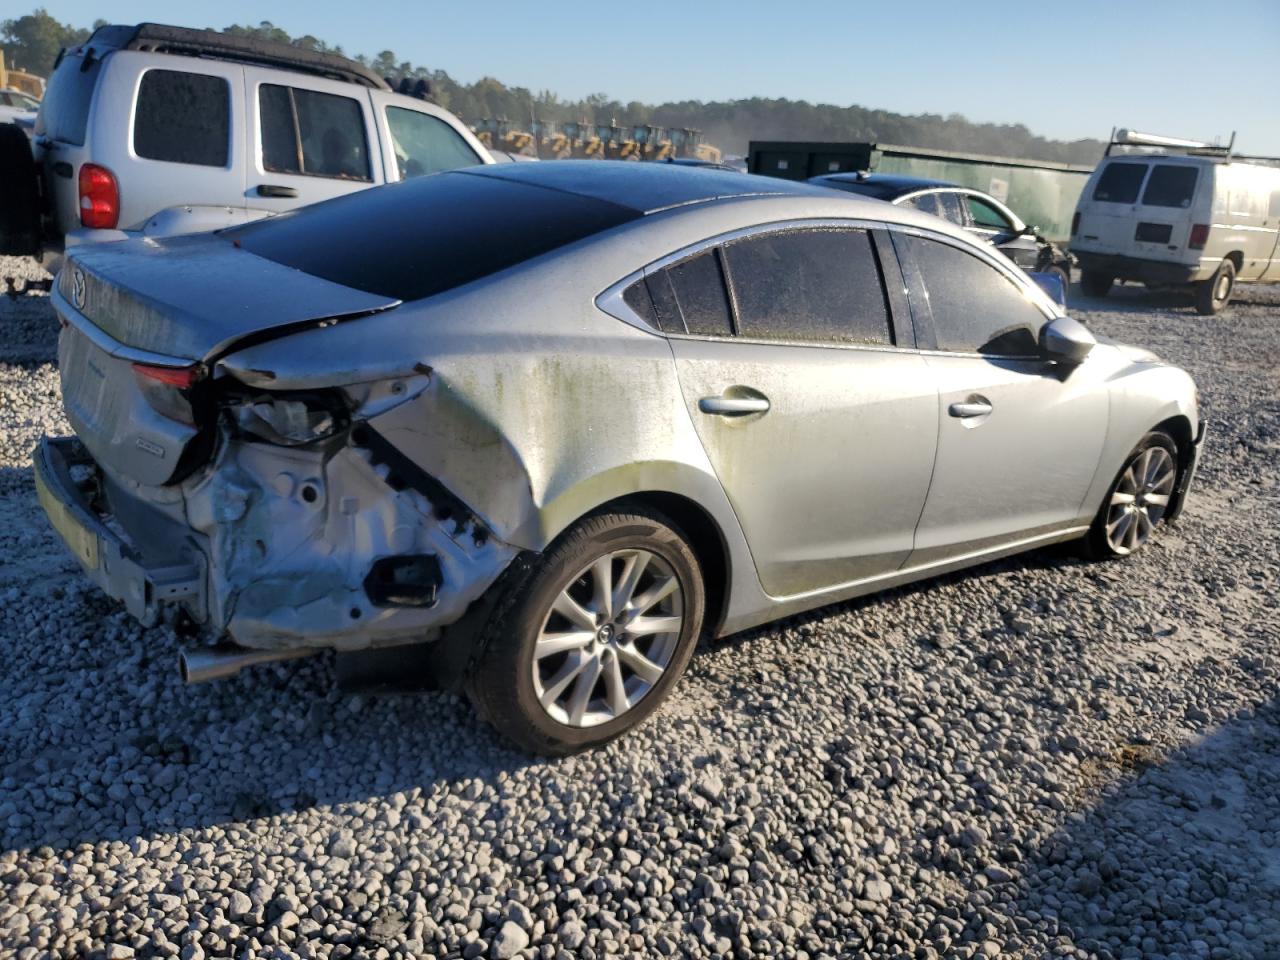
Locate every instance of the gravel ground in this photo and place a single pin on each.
(1036, 758)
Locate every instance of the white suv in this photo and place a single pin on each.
(161, 130)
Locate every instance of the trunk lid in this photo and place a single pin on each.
(191, 298)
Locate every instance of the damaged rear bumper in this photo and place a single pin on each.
(110, 561)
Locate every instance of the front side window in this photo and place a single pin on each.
(819, 285)
(312, 133)
(183, 118)
(975, 307)
(425, 144)
(1120, 182)
(987, 217)
(1170, 185)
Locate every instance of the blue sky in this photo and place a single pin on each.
(1066, 70)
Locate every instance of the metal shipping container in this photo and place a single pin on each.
(1042, 193)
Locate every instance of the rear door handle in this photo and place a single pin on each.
(971, 408)
(275, 190)
(733, 406)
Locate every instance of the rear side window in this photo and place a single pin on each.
(183, 118)
(952, 208)
(695, 288)
(926, 203)
(1120, 182)
(975, 307)
(64, 111)
(426, 144)
(1170, 185)
(426, 235)
(312, 133)
(809, 285)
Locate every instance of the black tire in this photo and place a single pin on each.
(501, 681)
(1097, 545)
(1215, 293)
(1095, 284)
(19, 197)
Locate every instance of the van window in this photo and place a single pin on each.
(64, 112)
(1170, 186)
(1119, 183)
(312, 133)
(426, 144)
(183, 118)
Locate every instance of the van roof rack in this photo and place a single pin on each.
(184, 41)
(1131, 141)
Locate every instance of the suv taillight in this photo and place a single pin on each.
(99, 198)
(1199, 236)
(1075, 223)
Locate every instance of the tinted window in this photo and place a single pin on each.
(637, 298)
(952, 208)
(698, 287)
(975, 307)
(1170, 186)
(809, 285)
(423, 236)
(426, 144)
(881, 191)
(1119, 183)
(986, 216)
(183, 118)
(926, 203)
(64, 111)
(307, 132)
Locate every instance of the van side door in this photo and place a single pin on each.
(310, 139)
(1273, 223)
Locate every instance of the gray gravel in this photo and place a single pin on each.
(1037, 758)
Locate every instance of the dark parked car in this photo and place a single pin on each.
(975, 211)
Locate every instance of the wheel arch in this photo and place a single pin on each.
(1237, 259)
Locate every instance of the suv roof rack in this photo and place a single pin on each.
(184, 41)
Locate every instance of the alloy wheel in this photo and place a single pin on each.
(608, 638)
(1140, 499)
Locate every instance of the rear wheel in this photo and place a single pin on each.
(1095, 284)
(593, 638)
(1215, 293)
(1138, 499)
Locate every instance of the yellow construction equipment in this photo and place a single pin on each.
(500, 134)
(552, 142)
(654, 142)
(20, 80)
(688, 143)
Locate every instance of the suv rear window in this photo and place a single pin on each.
(183, 118)
(64, 112)
(1170, 185)
(1120, 182)
(312, 133)
(427, 235)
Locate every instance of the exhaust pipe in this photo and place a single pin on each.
(202, 664)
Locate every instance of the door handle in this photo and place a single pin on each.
(733, 406)
(275, 190)
(970, 408)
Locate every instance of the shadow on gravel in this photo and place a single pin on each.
(1137, 299)
(1172, 854)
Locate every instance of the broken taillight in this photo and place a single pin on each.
(1199, 236)
(99, 197)
(165, 389)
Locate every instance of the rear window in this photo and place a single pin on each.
(183, 118)
(429, 234)
(1120, 182)
(1170, 186)
(64, 111)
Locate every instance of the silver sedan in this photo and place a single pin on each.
(544, 425)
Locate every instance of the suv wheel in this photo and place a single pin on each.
(1095, 284)
(593, 637)
(1215, 293)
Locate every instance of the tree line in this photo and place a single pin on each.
(32, 43)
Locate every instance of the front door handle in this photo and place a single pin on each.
(970, 408)
(275, 190)
(733, 406)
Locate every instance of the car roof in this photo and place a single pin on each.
(643, 187)
(886, 181)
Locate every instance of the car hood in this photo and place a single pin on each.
(193, 297)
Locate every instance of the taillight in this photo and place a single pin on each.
(1199, 236)
(163, 388)
(99, 198)
(1075, 223)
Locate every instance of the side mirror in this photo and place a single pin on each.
(1066, 340)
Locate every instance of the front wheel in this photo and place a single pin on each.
(1095, 284)
(1138, 499)
(1215, 293)
(594, 637)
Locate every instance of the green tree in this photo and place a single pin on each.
(32, 42)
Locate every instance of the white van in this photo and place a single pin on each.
(1172, 213)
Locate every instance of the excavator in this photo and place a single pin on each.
(500, 134)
